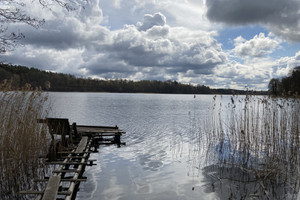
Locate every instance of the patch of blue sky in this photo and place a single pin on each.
(227, 35)
(286, 50)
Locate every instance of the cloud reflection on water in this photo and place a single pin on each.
(173, 146)
(254, 149)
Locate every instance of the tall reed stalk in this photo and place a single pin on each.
(22, 140)
(254, 147)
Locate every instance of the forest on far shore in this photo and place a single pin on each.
(286, 86)
(50, 81)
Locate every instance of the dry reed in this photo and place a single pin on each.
(22, 140)
(253, 148)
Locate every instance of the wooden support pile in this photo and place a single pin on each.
(59, 185)
(78, 158)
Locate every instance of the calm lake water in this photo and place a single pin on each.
(165, 156)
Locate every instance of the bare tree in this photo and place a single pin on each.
(12, 11)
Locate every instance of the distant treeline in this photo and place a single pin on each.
(286, 86)
(69, 83)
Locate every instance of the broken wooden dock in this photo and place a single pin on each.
(77, 142)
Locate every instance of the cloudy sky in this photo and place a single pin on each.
(218, 43)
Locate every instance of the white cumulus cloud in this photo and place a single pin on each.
(157, 19)
(161, 40)
(258, 46)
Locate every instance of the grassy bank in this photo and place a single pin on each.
(22, 140)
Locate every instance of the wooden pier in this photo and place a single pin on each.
(72, 156)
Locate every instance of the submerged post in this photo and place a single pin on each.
(76, 154)
(117, 139)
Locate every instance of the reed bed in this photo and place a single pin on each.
(22, 140)
(253, 148)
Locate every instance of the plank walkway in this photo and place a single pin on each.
(82, 145)
(72, 161)
(52, 188)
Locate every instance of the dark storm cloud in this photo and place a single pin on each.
(251, 11)
(52, 38)
(280, 16)
(61, 38)
(104, 64)
(64, 30)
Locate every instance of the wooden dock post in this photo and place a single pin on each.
(89, 136)
(117, 139)
(76, 135)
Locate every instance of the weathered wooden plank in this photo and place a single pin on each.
(100, 131)
(95, 132)
(82, 145)
(41, 192)
(74, 157)
(73, 153)
(77, 175)
(90, 136)
(66, 171)
(100, 127)
(52, 188)
(59, 126)
(100, 134)
(62, 180)
(96, 129)
(79, 162)
(67, 163)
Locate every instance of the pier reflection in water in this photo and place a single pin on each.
(181, 147)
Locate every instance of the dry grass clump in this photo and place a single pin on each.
(22, 140)
(254, 147)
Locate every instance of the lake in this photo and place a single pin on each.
(175, 148)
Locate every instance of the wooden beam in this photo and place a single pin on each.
(101, 127)
(101, 134)
(70, 162)
(41, 192)
(74, 157)
(66, 171)
(82, 145)
(63, 180)
(78, 157)
(66, 163)
(72, 186)
(52, 188)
